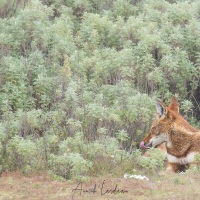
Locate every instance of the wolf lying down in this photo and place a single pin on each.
(182, 140)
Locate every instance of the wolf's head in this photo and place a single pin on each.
(160, 128)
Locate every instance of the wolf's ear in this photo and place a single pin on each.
(161, 109)
(174, 105)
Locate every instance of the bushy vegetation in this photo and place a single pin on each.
(78, 80)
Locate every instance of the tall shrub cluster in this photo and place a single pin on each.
(78, 79)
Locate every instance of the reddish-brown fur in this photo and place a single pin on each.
(182, 140)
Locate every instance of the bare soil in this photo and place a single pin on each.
(14, 185)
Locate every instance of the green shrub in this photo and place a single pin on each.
(79, 79)
(21, 153)
(154, 162)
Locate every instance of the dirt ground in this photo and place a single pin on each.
(14, 185)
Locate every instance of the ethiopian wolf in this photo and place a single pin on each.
(182, 140)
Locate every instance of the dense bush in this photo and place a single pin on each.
(78, 80)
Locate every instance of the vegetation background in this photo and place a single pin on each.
(79, 78)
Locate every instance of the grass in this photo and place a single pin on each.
(14, 185)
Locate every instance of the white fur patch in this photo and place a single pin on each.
(183, 160)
